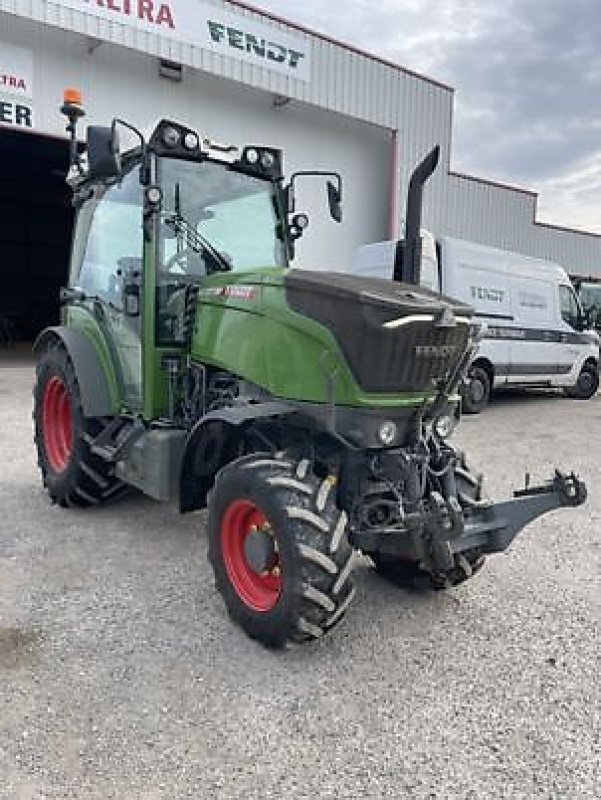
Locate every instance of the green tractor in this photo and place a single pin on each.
(309, 412)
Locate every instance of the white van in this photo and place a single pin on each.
(534, 322)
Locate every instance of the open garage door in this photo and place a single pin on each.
(35, 231)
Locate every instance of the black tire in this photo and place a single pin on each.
(71, 473)
(312, 561)
(587, 384)
(476, 392)
(409, 575)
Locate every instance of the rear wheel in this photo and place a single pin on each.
(71, 473)
(408, 574)
(278, 548)
(587, 384)
(477, 390)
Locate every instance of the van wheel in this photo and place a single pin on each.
(587, 384)
(476, 391)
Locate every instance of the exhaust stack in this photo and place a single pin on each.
(407, 259)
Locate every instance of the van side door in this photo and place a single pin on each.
(533, 330)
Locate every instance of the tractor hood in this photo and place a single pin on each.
(322, 336)
(394, 336)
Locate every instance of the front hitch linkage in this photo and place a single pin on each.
(491, 529)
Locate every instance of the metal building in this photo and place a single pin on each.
(242, 76)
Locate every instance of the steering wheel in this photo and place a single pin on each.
(175, 259)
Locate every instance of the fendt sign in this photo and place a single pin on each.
(237, 36)
(254, 45)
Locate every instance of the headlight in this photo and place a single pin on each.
(267, 160)
(444, 425)
(301, 221)
(387, 433)
(170, 137)
(154, 195)
(191, 141)
(252, 156)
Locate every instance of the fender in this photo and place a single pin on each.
(212, 443)
(94, 388)
(591, 357)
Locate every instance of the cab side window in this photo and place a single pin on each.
(568, 306)
(114, 241)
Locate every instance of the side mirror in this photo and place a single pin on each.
(334, 200)
(103, 152)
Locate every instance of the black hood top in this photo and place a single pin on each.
(396, 337)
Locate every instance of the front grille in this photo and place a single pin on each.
(408, 359)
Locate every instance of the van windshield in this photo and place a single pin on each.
(590, 297)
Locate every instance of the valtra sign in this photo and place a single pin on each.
(16, 70)
(238, 36)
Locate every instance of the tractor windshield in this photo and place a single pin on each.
(215, 219)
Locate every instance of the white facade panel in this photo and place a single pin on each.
(351, 87)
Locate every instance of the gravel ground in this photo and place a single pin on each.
(121, 677)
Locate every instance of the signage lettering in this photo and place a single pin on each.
(16, 70)
(12, 82)
(15, 114)
(244, 38)
(144, 10)
(262, 48)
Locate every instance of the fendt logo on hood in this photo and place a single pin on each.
(434, 350)
(254, 45)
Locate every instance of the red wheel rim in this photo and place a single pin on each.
(57, 424)
(259, 591)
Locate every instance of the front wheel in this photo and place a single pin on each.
(477, 390)
(279, 550)
(587, 384)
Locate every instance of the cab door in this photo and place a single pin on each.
(109, 272)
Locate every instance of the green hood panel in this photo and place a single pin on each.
(246, 326)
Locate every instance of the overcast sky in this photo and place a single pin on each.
(527, 79)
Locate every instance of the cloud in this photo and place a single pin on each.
(527, 76)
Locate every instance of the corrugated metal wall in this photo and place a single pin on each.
(504, 217)
(357, 86)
